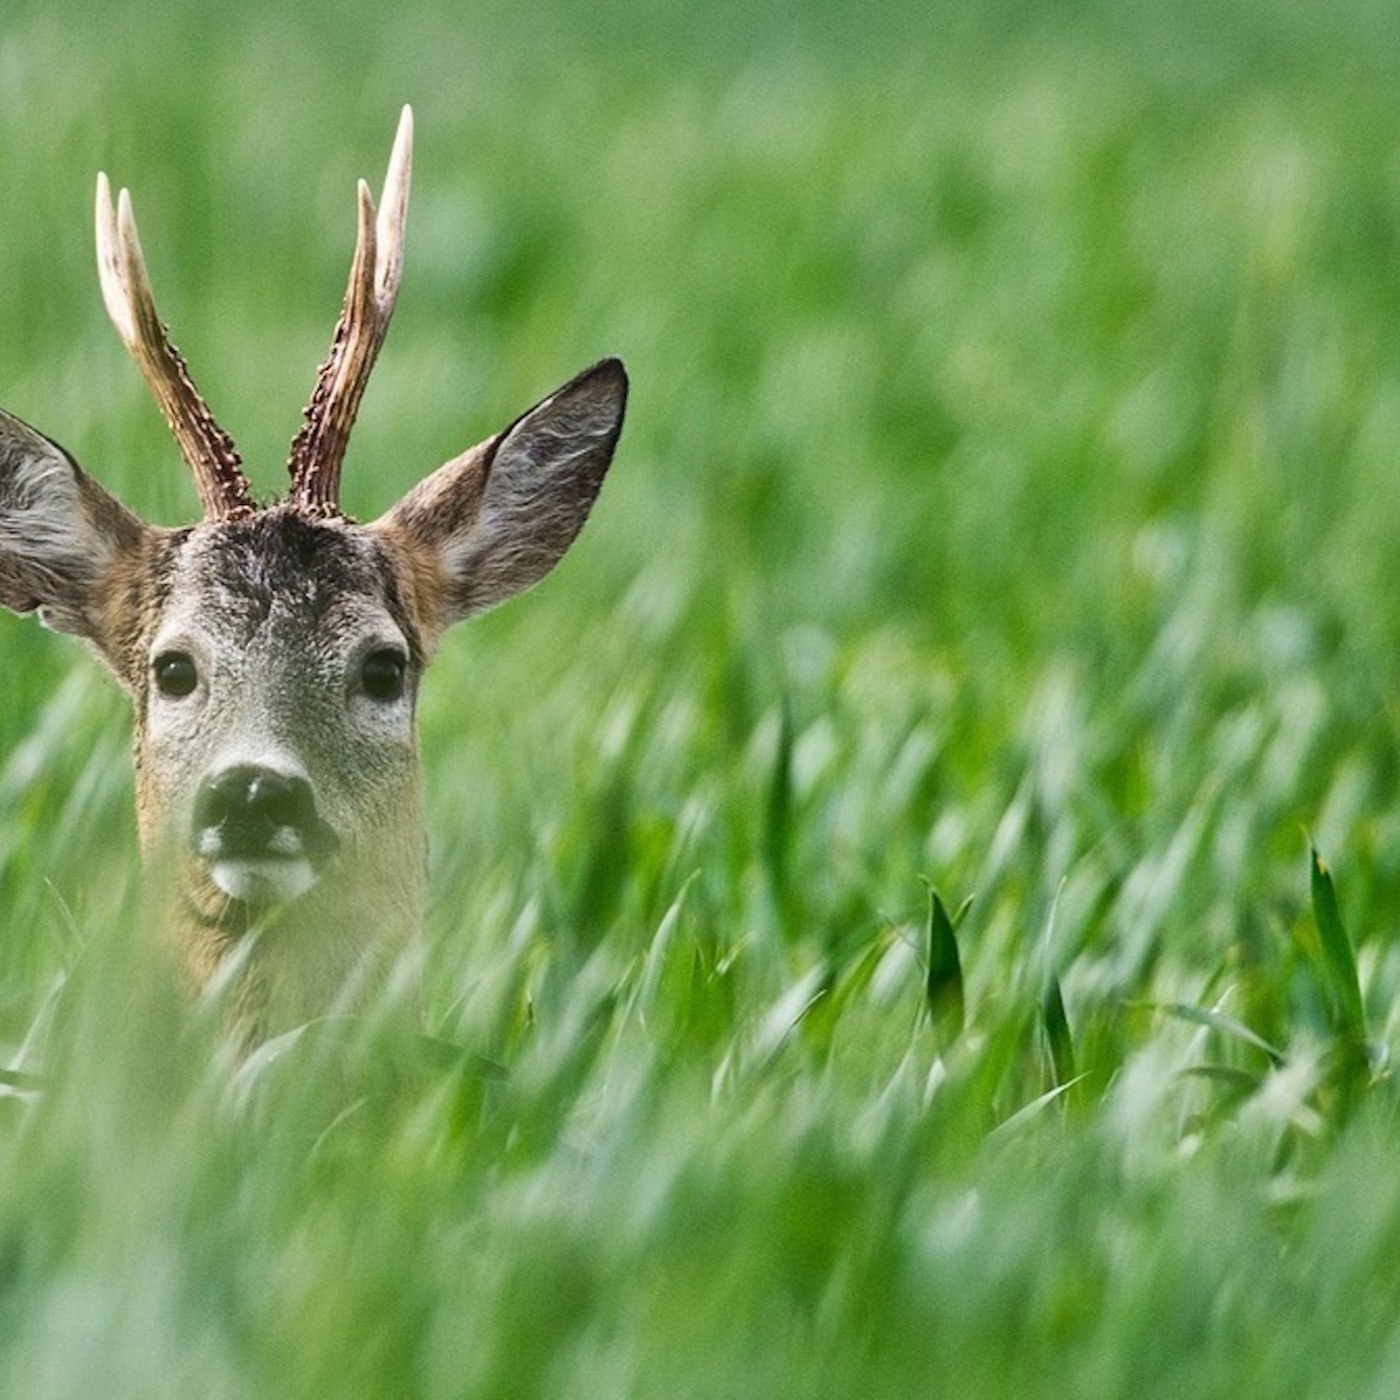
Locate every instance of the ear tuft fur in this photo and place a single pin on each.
(497, 519)
(60, 533)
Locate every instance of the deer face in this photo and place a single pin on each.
(275, 705)
(273, 656)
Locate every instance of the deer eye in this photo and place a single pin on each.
(175, 674)
(382, 674)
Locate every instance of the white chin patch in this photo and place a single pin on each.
(263, 881)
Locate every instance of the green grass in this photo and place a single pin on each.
(1008, 509)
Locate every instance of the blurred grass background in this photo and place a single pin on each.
(1008, 498)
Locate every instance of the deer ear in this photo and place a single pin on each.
(61, 534)
(497, 519)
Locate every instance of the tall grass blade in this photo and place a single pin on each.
(1338, 956)
(1057, 1032)
(777, 831)
(943, 980)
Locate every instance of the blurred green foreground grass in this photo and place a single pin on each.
(1008, 501)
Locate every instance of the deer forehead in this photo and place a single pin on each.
(281, 580)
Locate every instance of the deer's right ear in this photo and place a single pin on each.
(61, 535)
(495, 520)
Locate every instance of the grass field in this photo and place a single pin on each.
(1009, 507)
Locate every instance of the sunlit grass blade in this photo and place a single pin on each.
(1027, 1113)
(1216, 1020)
(665, 985)
(785, 1015)
(18, 1079)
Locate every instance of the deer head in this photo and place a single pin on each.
(273, 654)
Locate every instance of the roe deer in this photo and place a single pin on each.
(273, 654)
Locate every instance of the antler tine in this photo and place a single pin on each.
(319, 448)
(126, 290)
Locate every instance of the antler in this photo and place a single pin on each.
(319, 448)
(126, 289)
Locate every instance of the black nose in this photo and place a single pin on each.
(251, 811)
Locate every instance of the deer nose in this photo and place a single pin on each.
(252, 811)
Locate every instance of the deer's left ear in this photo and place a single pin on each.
(61, 536)
(495, 520)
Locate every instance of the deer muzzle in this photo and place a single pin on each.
(259, 833)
